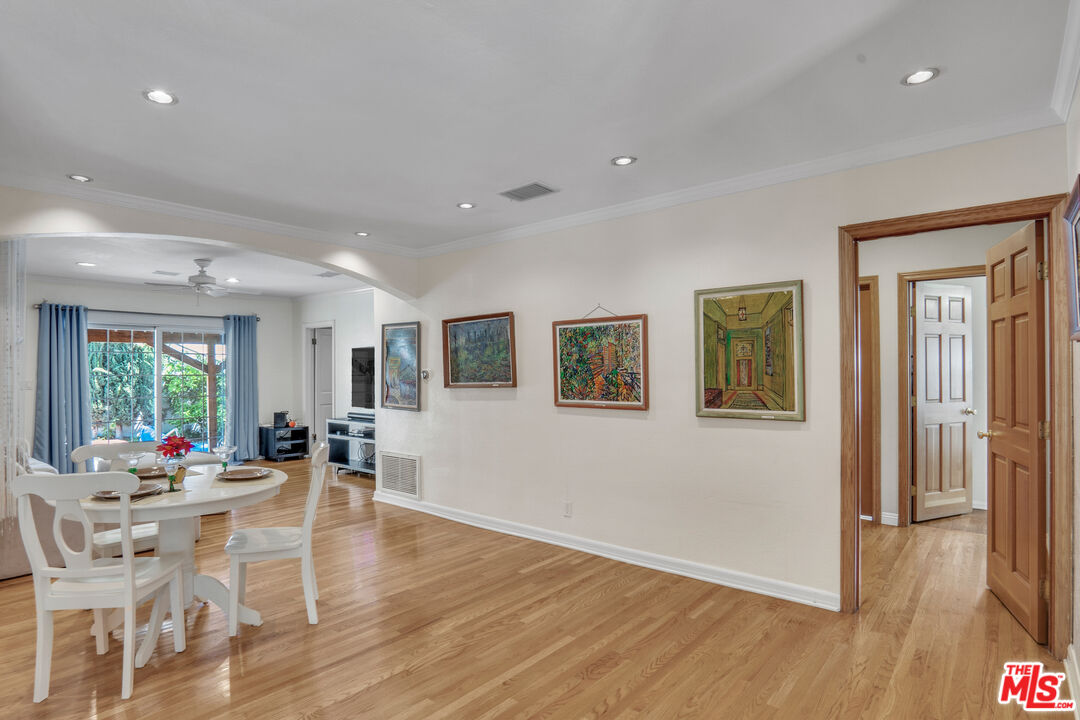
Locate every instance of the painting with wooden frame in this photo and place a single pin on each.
(1072, 237)
(749, 352)
(401, 366)
(602, 362)
(478, 351)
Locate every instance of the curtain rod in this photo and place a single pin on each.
(37, 306)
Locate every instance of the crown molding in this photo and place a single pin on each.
(1068, 64)
(883, 152)
(82, 191)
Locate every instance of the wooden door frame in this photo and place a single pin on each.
(1049, 208)
(904, 283)
(873, 366)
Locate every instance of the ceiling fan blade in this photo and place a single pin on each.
(168, 285)
(235, 291)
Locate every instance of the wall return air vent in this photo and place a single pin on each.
(528, 192)
(400, 473)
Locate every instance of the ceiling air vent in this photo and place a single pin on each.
(327, 274)
(528, 192)
(400, 473)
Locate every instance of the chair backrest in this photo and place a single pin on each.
(108, 452)
(65, 492)
(319, 457)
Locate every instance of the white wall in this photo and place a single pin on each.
(277, 384)
(888, 257)
(352, 316)
(761, 498)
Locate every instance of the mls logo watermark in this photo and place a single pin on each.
(1034, 690)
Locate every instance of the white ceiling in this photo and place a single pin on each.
(381, 115)
(133, 261)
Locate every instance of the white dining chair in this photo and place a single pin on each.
(108, 453)
(255, 544)
(107, 542)
(86, 583)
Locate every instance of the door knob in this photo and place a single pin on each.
(983, 435)
(970, 411)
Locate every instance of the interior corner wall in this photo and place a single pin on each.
(352, 315)
(277, 388)
(888, 257)
(754, 497)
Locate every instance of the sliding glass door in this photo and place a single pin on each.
(150, 382)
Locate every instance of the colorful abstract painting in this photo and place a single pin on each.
(749, 352)
(478, 351)
(602, 363)
(400, 363)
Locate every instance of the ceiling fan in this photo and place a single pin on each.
(205, 284)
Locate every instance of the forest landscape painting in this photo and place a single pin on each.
(602, 363)
(478, 351)
(400, 360)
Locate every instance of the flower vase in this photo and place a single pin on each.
(176, 473)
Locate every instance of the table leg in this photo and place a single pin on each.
(215, 591)
(153, 628)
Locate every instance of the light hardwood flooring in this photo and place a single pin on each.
(424, 618)
(974, 521)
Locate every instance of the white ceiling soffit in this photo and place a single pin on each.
(133, 261)
(316, 121)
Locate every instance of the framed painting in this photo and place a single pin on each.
(400, 366)
(1072, 237)
(749, 352)
(478, 351)
(602, 363)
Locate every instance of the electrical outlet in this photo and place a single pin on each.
(568, 509)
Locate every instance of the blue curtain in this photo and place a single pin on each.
(62, 419)
(242, 385)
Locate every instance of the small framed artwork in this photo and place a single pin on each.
(400, 366)
(478, 351)
(749, 352)
(602, 363)
(1072, 238)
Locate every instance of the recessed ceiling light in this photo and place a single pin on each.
(232, 280)
(360, 234)
(623, 160)
(161, 97)
(920, 76)
(466, 206)
(86, 264)
(81, 178)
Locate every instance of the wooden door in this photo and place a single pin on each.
(322, 348)
(1016, 562)
(745, 372)
(944, 428)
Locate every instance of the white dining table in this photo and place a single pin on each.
(177, 515)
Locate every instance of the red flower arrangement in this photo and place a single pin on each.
(174, 446)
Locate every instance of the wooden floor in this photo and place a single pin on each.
(424, 618)
(974, 522)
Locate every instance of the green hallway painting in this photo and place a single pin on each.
(749, 351)
(602, 363)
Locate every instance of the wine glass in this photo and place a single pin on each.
(223, 452)
(132, 459)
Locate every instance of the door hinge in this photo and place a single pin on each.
(911, 311)
(914, 401)
(1040, 270)
(314, 341)
(914, 490)
(1044, 589)
(1044, 429)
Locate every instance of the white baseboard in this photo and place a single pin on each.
(978, 505)
(698, 571)
(890, 519)
(1072, 673)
